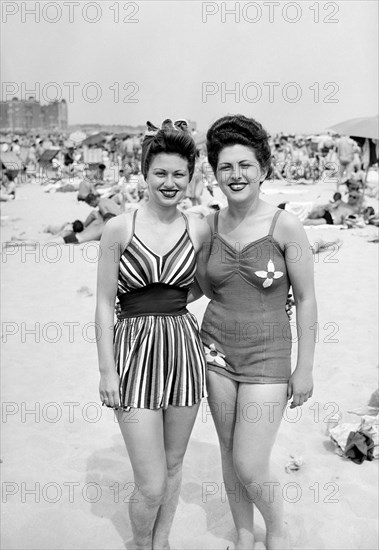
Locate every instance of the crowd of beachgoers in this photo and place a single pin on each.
(105, 172)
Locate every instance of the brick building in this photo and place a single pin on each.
(22, 115)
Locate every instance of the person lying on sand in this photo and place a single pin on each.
(86, 187)
(319, 245)
(57, 234)
(90, 230)
(367, 217)
(64, 229)
(8, 188)
(103, 210)
(335, 213)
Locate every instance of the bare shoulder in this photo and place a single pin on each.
(119, 229)
(210, 219)
(289, 229)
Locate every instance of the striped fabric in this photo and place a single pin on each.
(160, 358)
(140, 266)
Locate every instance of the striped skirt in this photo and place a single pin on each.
(160, 360)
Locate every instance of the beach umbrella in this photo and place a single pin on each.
(10, 162)
(47, 156)
(366, 127)
(77, 137)
(96, 139)
(120, 135)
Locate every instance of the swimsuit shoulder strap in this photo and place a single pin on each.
(213, 224)
(215, 219)
(188, 229)
(185, 221)
(134, 222)
(274, 220)
(132, 229)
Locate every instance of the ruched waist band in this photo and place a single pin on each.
(154, 299)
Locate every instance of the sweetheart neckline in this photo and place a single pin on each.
(249, 244)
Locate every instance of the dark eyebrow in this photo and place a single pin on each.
(239, 162)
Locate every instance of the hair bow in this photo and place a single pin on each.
(181, 125)
(152, 130)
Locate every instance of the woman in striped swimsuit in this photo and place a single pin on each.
(152, 363)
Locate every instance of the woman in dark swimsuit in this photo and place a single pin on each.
(257, 252)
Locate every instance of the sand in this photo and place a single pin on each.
(70, 451)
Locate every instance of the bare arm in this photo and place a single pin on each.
(90, 218)
(195, 292)
(299, 262)
(107, 276)
(201, 237)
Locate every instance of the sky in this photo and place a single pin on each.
(294, 66)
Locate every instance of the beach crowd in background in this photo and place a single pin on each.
(105, 171)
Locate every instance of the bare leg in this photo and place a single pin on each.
(178, 424)
(223, 403)
(144, 439)
(261, 408)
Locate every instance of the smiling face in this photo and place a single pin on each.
(239, 173)
(167, 179)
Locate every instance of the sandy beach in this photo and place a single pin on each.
(66, 476)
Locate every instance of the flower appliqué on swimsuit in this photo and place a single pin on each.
(269, 275)
(213, 356)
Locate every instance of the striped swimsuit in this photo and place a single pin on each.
(158, 352)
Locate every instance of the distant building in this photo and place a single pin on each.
(55, 115)
(22, 115)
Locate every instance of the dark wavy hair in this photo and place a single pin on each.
(171, 142)
(239, 130)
